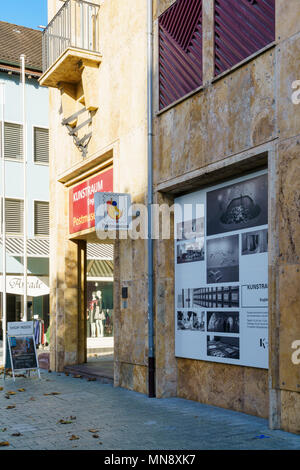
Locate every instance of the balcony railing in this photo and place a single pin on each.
(74, 25)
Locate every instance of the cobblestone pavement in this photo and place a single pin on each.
(59, 412)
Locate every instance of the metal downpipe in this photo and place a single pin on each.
(151, 355)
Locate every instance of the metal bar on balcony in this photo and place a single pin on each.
(74, 25)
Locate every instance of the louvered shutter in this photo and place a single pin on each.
(41, 145)
(13, 141)
(14, 211)
(180, 51)
(41, 218)
(242, 27)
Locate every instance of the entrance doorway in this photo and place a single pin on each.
(99, 314)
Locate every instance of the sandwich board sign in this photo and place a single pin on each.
(21, 346)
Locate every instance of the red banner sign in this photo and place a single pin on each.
(81, 200)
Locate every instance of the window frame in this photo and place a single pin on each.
(19, 123)
(34, 201)
(34, 126)
(8, 233)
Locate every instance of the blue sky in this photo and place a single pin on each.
(30, 13)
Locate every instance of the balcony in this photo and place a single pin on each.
(71, 43)
(71, 60)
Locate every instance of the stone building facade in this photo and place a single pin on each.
(238, 119)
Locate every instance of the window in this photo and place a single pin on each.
(242, 27)
(41, 145)
(180, 51)
(13, 141)
(41, 218)
(14, 210)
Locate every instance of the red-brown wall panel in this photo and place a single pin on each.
(242, 27)
(180, 50)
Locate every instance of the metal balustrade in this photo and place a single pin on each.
(74, 25)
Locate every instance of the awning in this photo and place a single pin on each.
(98, 251)
(36, 247)
(36, 286)
(39, 248)
(100, 269)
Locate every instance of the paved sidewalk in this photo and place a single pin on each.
(104, 417)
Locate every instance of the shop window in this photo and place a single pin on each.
(242, 27)
(180, 51)
(41, 218)
(14, 209)
(41, 145)
(13, 141)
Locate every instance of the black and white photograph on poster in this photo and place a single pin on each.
(190, 229)
(223, 259)
(223, 322)
(189, 251)
(185, 298)
(238, 206)
(223, 347)
(255, 242)
(199, 321)
(190, 320)
(216, 297)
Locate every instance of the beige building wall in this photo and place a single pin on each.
(119, 138)
(244, 120)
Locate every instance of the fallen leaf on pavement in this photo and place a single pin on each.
(74, 438)
(63, 421)
(17, 434)
(1, 388)
(10, 407)
(77, 376)
(21, 389)
(52, 393)
(4, 444)
(93, 430)
(32, 398)
(10, 393)
(95, 436)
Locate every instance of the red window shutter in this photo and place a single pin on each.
(242, 27)
(180, 50)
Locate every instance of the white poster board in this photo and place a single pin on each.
(221, 273)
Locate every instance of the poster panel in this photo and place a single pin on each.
(22, 352)
(221, 272)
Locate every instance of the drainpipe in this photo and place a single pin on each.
(22, 58)
(151, 356)
(4, 318)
